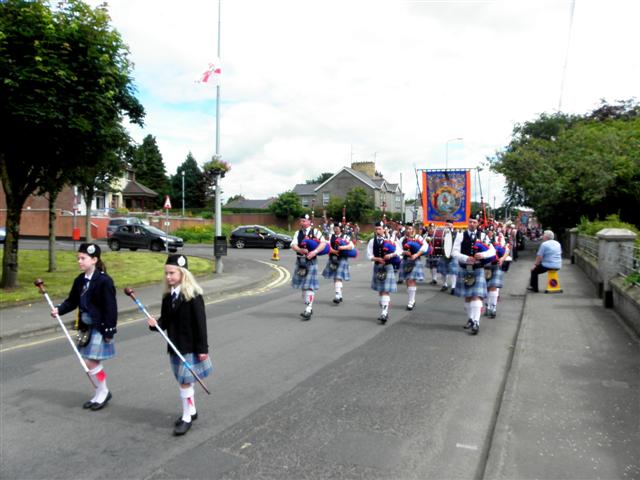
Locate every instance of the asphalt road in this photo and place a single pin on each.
(337, 397)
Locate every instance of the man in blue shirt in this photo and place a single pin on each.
(549, 257)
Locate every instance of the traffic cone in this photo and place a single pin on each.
(276, 255)
(553, 282)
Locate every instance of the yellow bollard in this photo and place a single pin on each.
(553, 282)
(276, 255)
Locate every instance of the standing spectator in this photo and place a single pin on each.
(549, 257)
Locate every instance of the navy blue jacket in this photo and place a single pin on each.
(186, 324)
(101, 302)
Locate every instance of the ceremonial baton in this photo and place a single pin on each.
(40, 284)
(129, 292)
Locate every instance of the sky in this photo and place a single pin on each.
(310, 86)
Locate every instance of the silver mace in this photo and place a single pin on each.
(40, 284)
(130, 293)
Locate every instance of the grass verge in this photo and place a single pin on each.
(128, 269)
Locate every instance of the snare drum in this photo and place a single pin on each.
(442, 242)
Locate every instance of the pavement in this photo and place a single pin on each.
(239, 278)
(571, 401)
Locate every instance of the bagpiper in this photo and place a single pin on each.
(494, 272)
(340, 249)
(307, 243)
(472, 252)
(413, 247)
(381, 251)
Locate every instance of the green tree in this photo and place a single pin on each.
(66, 79)
(287, 205)
(234, 198)
(359, 205)
(194, 183)
(585, 166)
(323, 177)
(150, 169)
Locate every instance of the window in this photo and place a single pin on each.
(325, 199)
(398, 201)
(305, 202)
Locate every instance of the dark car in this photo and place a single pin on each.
(114, 223)
(3, 234)
(134, 237)
(258, 236)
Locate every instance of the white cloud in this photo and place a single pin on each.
(307, 83)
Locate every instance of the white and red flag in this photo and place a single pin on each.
(212, 74)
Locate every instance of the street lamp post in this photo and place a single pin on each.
(446, 157)
(182, 193)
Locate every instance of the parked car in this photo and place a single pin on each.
(3, 234)
(258, 236)
(114, 223)
(134, 237)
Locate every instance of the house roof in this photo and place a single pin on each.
(247, 203)
(305, 188)
(135, 189)
(366, 179)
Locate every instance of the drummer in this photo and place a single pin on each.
(447, 265)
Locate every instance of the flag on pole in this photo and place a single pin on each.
(212, 74)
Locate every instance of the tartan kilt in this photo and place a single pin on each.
(182, 373)
(478, 289)
(497, 279)
(97, 348)
(416, 274)
(309, 281)
(341, 273)
(447, 266)
(390, 284)
(432, 262)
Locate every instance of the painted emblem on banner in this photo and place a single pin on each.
(447, 200)
(446, 196)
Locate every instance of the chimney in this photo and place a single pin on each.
(368, 168)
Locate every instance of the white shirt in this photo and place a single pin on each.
(370, 255)
(307, 232)
(461, 257)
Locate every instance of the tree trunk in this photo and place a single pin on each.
(52, 232)
(10, 255)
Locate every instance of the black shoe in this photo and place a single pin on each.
(468, 325)
(181, 428)
(179, 419)
(100, 406)
(453, 291)
(531, 289)
(410, 306)
(475, 328)
(492, 313)
(443, 288)
(433, 282)
(383, 318)
(306, 315)
(337, 300)
(400, 281)
(88, 404)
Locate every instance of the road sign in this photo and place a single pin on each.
(167, 202)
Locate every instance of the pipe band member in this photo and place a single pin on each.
(411, 271)
(337, 268)
(307, 243)
(94, 295)
(471, 283)
(183, 317)
(382, 252)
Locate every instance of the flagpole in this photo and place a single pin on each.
(218, 207)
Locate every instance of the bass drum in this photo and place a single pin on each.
(442, 242)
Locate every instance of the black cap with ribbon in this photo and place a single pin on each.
(90, 249)
(178, 261)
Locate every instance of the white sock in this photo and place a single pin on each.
(492, 298)
(384, 303)
(451, 279)
(434, 274)
(475, 308)
(411, 291)
(467, 309)
(308, 298)
(338, 285)
(100, 379)
(188, 403)
(444, 279)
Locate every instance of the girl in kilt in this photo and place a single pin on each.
(411, 269)
(471, 283)
(94, 294)
(183, 317)
(305, 275)
(495, 274)
(337, 267)
(383, 279)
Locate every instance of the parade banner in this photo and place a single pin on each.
(446, 194)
